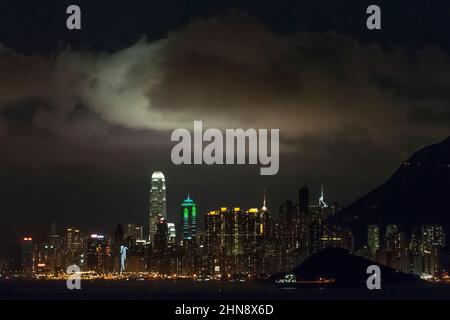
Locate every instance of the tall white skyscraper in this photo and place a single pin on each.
(172, 232)
(157, 202)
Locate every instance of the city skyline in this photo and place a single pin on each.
(235, 242)
(158, 181)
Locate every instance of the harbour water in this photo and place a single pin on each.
(190, 290)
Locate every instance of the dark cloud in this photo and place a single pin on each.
(230, 71)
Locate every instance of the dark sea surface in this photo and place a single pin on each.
(190, 290)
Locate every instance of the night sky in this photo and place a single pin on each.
(86, 116)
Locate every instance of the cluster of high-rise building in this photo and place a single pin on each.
(235, 242)
(300, 231)
(418, 251)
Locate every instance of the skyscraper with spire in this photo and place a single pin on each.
(264, 218)
(322, 203)
(157, 203)
(265, 247)
(188, 219)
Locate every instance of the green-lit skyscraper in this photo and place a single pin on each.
(188, 219)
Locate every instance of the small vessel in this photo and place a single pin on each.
(290, 280)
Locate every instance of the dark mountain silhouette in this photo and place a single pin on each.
(417, 193)
(345, 268)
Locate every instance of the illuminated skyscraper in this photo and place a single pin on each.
(265, 221)
(234, 241)
(432, 237)
(28, 255)
(252, 240)
(56, 245)
(132, 233)
(161, 236)
(188, 219)
(322, 203)
(157, 202)
(172, 233)
(98, 253)
(74, 242)
(160, 248)
(323, 209)
(213, 242)
(189, 262)
(315, 233)
(392, 237)
(373, 238)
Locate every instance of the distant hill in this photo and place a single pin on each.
(345, 268)
(417, 193)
